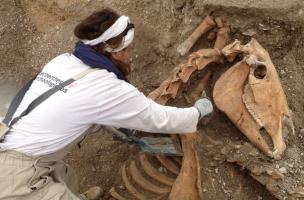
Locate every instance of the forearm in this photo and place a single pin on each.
(166, 119)
(124, 106)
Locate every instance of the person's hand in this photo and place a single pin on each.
(204, 107)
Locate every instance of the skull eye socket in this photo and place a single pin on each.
(260, 71)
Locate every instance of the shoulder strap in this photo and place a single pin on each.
(17, 100)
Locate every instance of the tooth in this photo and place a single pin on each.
(249, 108)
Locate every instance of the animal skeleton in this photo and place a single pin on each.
(238, 93)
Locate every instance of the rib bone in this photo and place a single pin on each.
(144, 183)
(154, 173)
(132, 190)
(171, 166)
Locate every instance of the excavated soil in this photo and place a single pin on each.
(34, 31)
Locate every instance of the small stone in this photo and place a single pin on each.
(283, 170)
(260, 198)
(121, 187)
(282, 72)
(212, 164)
(162, 169)
(216, 170)
(249, 32)
(302, 131)
(93, 169)
(204, 190)
(264, 27)
(277, 166)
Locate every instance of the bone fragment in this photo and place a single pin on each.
(168, 164)
(204, 27)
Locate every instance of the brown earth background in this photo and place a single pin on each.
(34, 31)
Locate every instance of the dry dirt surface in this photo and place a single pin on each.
(34, 31)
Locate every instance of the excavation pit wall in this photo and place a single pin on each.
(160, 28)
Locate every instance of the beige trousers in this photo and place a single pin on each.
(27, 178)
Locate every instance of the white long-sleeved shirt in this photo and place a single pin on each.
(98, 98)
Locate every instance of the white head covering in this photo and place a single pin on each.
(117, 28)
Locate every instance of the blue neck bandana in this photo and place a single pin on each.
(90, 57)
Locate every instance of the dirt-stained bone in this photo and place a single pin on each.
(204, 27)
(223, 34)
(188, 183)
(181, 74)
(229, 100)
(245, 93)
(144, 183)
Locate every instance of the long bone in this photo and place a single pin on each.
(204, 27)
(252, 96)
(188, 183)
(223, 33)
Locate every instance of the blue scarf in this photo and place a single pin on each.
(90, 57)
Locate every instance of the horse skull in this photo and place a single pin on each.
(251, 95)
